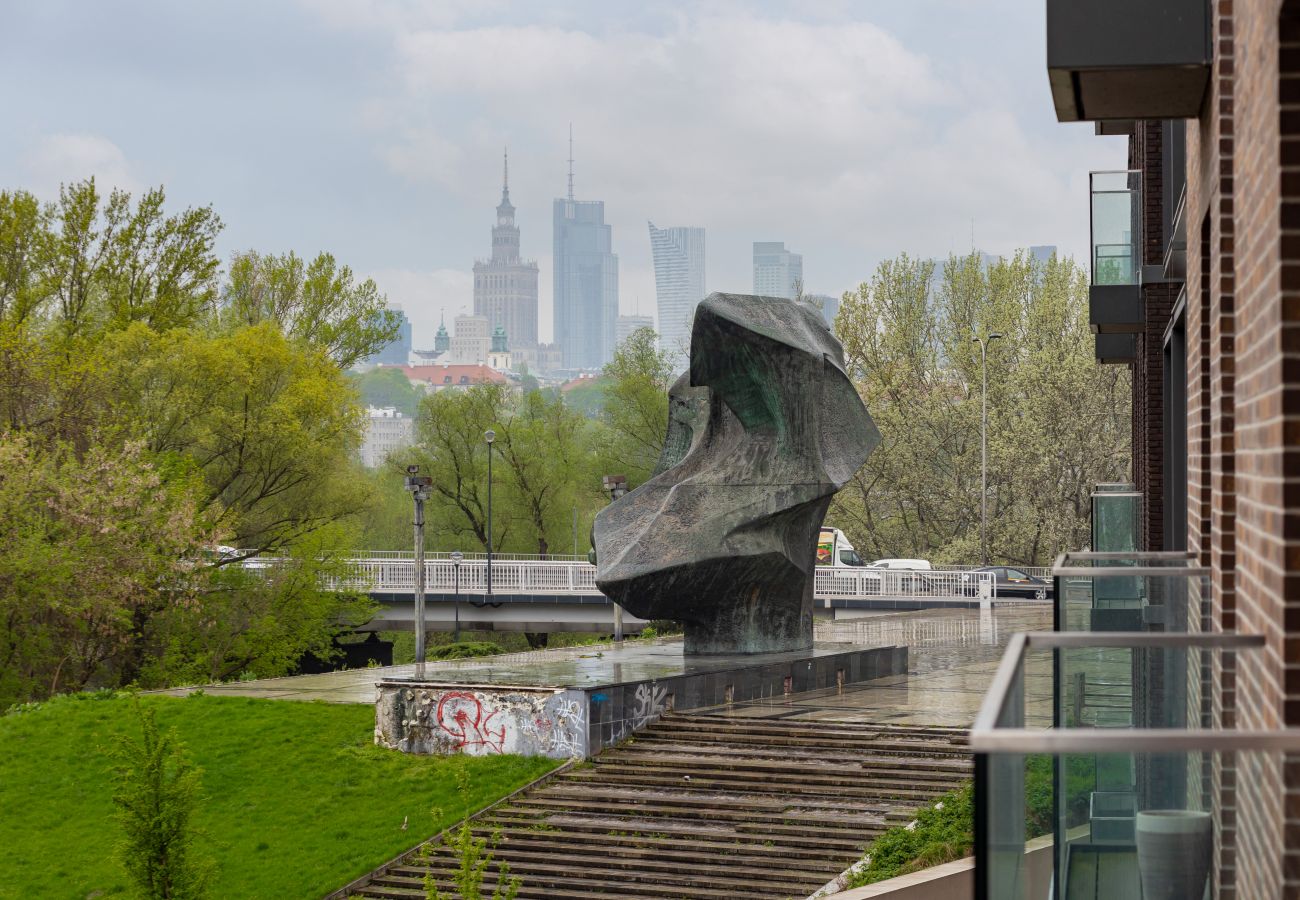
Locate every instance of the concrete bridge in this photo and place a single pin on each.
(559, 594)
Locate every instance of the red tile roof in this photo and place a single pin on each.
(450, 376)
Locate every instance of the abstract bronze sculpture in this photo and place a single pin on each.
(763, 429)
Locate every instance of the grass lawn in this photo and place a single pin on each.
(298, 800)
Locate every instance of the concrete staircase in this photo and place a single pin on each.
(699, 807)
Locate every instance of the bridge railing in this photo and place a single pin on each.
(384, 575)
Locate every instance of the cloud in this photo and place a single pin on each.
(57, 159)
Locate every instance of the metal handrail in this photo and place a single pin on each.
(1062, 565)
(987, 737)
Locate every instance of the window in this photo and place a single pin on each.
(850, 558)
(1016, 575)
(464, 379)
(446, 379)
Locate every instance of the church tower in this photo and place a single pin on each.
(505, 286)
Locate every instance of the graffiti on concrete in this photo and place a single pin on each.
(449, 719)
(648, 704)
(461, 715)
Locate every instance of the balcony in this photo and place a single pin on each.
(1128, 59)
(1115, 294)
(1116, 349)
(1092, 739)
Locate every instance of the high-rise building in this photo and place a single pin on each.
(777, 271)
(397, 350)
(628, 324)
(679, 282)
(470, 341)
(828, 304)
(586, 280)
(505, 286)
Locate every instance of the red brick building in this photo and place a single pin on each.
(1198, 290)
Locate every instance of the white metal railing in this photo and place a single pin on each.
(392, 575)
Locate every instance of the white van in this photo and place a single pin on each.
(834, 549)
(913, 564)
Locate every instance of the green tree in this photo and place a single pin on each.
(157, 793)
(545, 448)
(1058, 422)
(319, 302)
(388, 386)
(88, 547)
(636, 406)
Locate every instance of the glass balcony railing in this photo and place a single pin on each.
(1119, 793)
(1116, 227)
(1133, 591)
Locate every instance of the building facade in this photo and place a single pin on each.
(629, 324)
(586, 283)
(470, 341)
(1196, 288)
(505, 285)
(679, 283)
(396, 351)
(387, 430)
(777, 271)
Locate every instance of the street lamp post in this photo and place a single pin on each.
(421, 487)
(984, 445)
(489, 436)
(616, 486)
(456, 557)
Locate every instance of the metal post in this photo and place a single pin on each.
(489, 436)
(984, 446)
(616, 486)
(420, 487)
(456, 557)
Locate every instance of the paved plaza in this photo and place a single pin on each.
(952, 657)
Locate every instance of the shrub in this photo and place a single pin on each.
(941, 833)
(157, 792)
(464, 650)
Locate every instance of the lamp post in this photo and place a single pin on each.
(456, 557)
(616, 486)
(489, 436)
(984, 445)
(421, 487)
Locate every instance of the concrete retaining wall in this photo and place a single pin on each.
(429, 717)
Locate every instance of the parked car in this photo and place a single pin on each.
(908, 583)
(912, 564)
(1013, 582)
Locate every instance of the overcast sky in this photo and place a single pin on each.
(374, 128)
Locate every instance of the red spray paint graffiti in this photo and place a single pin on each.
(460, 714)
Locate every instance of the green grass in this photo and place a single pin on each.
(298, 799)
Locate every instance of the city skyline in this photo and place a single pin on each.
(399, 112)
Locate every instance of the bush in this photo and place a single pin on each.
(941, 833)
(464, 650)
(157, 792)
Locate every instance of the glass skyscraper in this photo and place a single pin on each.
(586, 284)
(679, 283)
(777, 271)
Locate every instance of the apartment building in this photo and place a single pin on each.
(1190, 764)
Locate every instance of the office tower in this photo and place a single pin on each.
(628, 324)
(396, 351)
(505, 286)
(777, 271)
(679, 283)
(828, 304)
(586, 280)
(470, 340)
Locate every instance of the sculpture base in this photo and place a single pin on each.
(577, 703)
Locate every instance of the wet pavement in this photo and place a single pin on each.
(952, 657)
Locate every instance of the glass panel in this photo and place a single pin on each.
(1116, 201)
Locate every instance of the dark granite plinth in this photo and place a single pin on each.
(575, 707)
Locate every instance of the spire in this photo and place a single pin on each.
(505, 177)
(570, 160)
